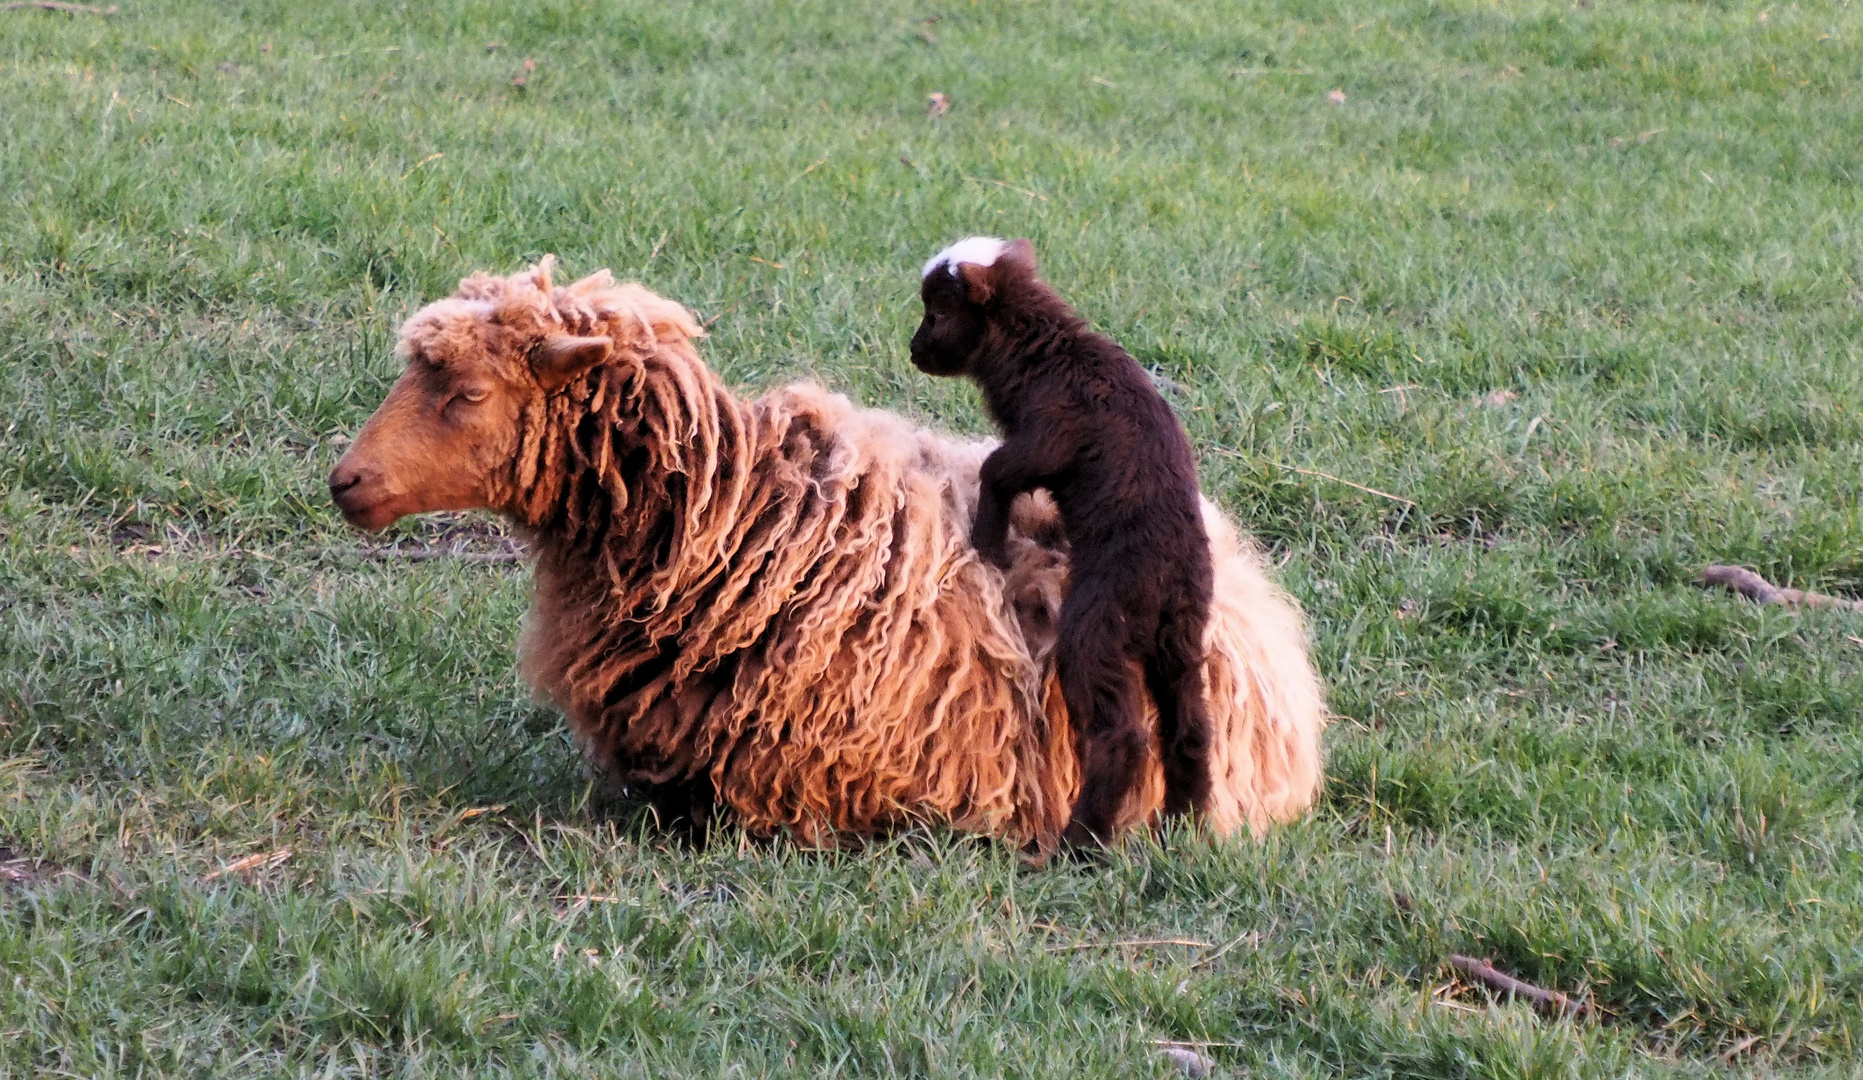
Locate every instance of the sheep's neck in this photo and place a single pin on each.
(604, 505)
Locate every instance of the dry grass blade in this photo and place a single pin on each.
(1347, 483)
(1133, 944)
(258, 861)
(1250, 936)
(1322, 475)
(1000, 184)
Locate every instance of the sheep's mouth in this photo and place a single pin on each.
(361, 512)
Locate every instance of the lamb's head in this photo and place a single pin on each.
(961, 287)
(481, 365)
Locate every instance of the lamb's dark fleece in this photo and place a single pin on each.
(1081, 419)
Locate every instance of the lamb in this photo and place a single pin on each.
(770, 609)
(1080, 419)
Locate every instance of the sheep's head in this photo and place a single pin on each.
(446, 437)
(962, 285)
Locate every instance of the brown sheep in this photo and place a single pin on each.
(772, 606)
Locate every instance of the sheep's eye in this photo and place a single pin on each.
(475, 394)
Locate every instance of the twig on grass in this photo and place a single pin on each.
(53, 5)
(1750, 585)
(1484, 972)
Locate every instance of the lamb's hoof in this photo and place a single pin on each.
(1081, 844)
(1185, 813)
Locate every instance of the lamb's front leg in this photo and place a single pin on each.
(989, 533)
(1011, 469)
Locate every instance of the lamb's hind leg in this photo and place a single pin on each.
(1103, 706)
(1174, 674)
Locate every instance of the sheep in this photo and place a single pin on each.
(770, 609)
(1080, 419)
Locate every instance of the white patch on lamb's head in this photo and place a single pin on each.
(982, 250)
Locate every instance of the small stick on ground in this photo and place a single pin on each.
(1750, 585)
(53, 5)
(1484, 972)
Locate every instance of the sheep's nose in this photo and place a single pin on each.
(344, 477)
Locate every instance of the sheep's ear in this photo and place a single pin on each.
(561, 359)
(600, 279)
(540, 274)
(978, 280)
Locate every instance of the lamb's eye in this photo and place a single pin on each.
(475, 394)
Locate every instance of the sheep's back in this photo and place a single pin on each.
(842, 662)
(853, 665)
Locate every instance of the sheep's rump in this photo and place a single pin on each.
(820, 644)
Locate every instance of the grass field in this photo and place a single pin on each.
(1581, 283)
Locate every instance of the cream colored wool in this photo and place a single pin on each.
(779, 596)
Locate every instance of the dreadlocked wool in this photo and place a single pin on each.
(775, 601)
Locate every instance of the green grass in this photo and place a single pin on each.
(1583, 282)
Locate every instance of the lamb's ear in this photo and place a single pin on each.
(979, 282)
(1020, 254)
(561, 359)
